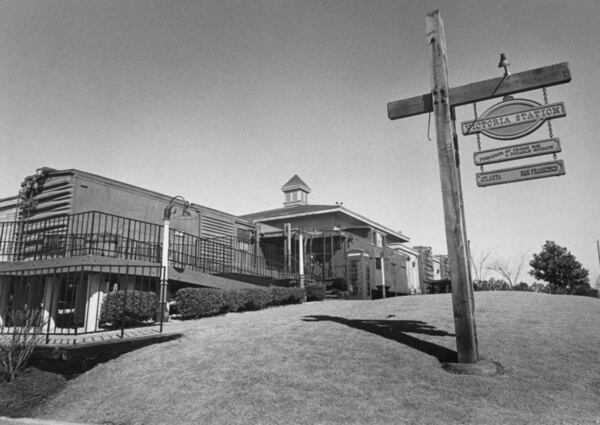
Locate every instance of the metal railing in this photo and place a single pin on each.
(83, 299)
(101, 234)
(89, 233)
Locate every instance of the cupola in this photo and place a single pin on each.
(295, 192)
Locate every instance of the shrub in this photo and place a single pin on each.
(258, 298)
(315, 292)
(16, 349)
(521, 287)
(298, 295)
(282, 296)
(128, 308)
(235, 300)
(585, 291)
(193, 303)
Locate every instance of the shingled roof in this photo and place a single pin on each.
(295, 183)
(308, 210)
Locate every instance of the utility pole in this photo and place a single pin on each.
(462, 295)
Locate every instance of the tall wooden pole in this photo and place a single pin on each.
(462, 295)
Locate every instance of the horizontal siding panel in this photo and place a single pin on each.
(216, 226)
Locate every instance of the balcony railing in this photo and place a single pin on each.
(100, 234)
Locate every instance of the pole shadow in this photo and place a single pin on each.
(398, 330)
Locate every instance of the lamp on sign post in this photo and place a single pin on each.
(504, 63)
(164, 281)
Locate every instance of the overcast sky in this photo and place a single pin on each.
(223, 101)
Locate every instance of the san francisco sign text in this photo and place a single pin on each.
(527, 172)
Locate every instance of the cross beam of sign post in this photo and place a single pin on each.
(441, 101)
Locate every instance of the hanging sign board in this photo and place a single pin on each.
(527, 172)
(513, 118)
(523, 150)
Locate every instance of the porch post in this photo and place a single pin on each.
(4, 292)
(51, 293)
(382, 274)
(93, 302)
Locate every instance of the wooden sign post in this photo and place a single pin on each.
(462, 296)
(441, 101)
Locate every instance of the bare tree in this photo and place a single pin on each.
(479, 264)
(509, 269)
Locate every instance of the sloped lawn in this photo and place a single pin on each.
(356, 362)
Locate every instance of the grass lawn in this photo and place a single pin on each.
(356, 362)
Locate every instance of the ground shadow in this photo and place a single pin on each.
(398, 330)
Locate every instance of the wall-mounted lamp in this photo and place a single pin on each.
(170, 209)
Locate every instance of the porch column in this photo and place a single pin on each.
(301, 257)
(4, 293)
(94, 302)
(51, 294)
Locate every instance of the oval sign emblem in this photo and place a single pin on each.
(513, 118)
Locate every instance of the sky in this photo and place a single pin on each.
(224, 101)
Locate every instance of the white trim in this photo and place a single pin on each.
(337, 209)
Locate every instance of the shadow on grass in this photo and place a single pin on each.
(398, 330)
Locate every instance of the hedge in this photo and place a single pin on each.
(128, 308)
(283, 296)
(315, 292)
(193, 303)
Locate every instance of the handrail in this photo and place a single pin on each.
(109, 235)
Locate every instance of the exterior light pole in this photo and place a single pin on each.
(164, 281)
(301, 256)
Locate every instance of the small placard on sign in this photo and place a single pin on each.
(523, 150)
(515, 174)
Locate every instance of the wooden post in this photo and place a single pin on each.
(462, 297)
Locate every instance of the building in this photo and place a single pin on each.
(70, 237)
(434, 271)
(352, 254)
(412, 267)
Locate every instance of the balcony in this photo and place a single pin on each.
(99, 234)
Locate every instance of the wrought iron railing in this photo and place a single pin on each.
(101, 234)
(80, 300)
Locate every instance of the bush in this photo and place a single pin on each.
(283, 296)
(521, 287)
(128, 308)
(16, 349)
(258, 298)
(540, 287)
(315, 292)
(235, 300)
(193, 303)
(586, 291)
